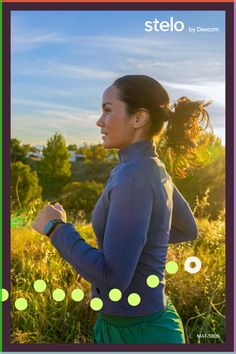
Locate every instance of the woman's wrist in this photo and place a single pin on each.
(56, 228)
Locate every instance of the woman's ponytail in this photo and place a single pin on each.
(185, 135)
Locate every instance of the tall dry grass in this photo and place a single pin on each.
(199, 298)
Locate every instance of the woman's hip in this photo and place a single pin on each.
(161, 327)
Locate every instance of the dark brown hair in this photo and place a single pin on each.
(186, 120)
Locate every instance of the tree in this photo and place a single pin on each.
(72, 147)
(17, 151)
(93, 153)
(24, 186)
(96, 165)
(210, 177)
(81, 197)
(55, 168)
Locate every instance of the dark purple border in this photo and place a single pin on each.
(234, 115)
(57, 347)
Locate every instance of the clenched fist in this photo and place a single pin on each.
(49, 212)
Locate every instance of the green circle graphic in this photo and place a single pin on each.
(40, 286)
(153, 281)
(134, 299)
(96, 304)
(171, 267)
(115, 295)
(77, 295)
(58, 294)
(5, 295)
(21, 304)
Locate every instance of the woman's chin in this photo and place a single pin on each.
(107, 144)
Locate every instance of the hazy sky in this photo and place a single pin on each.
(61, 62)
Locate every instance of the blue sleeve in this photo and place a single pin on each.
(183, 227)
(125, 235)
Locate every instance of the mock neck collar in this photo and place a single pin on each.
(143, 148)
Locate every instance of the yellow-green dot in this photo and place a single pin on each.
(115, 294)
(134, 299)
(58, 295)
(171, 267)
(5, 295)
(96, 304)
(153, 281)
(21, 304)
(40, 286)
(77, 295)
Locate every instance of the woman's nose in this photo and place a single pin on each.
(100, 122)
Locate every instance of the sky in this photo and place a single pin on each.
(62, 61)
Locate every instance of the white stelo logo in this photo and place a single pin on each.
(164, 26)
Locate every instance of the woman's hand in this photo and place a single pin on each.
(49, 212)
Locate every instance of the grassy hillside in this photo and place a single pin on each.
(199, 298)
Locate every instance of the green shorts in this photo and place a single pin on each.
(161, 327)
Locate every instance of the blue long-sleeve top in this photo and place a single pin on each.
(139, 212)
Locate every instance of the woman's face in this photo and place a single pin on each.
(115, 123)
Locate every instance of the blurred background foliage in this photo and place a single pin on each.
(55, 177)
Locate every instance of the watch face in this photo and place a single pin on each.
(48, 227)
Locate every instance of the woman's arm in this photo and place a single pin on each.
(125, 235)
(183, 227)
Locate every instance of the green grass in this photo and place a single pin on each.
(45, 320)
(199, 298)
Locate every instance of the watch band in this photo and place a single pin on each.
(51, 225)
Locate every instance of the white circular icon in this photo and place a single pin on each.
(194, 269)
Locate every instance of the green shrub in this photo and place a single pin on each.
(24, 185)
(79, 198)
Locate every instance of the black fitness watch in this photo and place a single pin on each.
(50, 226)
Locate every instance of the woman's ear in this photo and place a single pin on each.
(141, 118)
